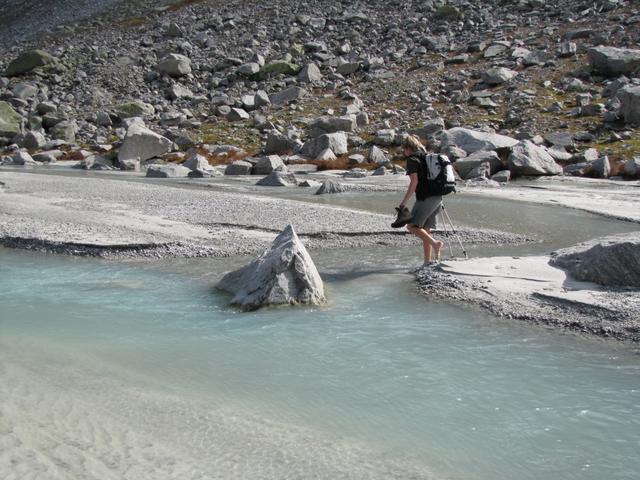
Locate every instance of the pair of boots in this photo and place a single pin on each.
(404, 216)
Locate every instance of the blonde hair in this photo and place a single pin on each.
(413, 142)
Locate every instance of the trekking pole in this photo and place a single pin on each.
(453, 229)
(446, 232)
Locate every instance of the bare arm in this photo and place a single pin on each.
(413, 183)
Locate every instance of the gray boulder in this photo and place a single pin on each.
(129, 165)
(498, 75)
(629, 97)
(464, 166)
(167, 171)
(27, 61)
(65, 130)
(283, 274)
(196, 161)
(34, 140)
(48, 156)
(567, 49)
(278, 179)
(336, 142)
(175, 65)
(278, 143)
(249, 69)
(288, 95)
(330, 186)
(268, 164)
(10, 121)
(376, 155)
(611, 261)
(142, 144)
(348, 68)
(326, 155)
(329, 124)
(237, 115)
(24, 90)
(385, 137)
(177, 91)
(600, 168)
(135, 108)
(239, 167)
(482, 170)
(503, 176)
(22, 158)
(310, 73)
(632, 168)
(611, 61)
(430, 128)
(472, 140)
(261, 99)
(527, 158)
(356, 159)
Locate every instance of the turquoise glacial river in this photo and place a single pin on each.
(139, 370)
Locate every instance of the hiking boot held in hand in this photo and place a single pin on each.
(404, 217)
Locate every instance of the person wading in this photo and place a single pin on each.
(422, 218)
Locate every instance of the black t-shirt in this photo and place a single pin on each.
(415, 164)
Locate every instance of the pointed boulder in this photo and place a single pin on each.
(283, 274)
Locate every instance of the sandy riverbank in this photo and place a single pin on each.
(530, 289)
(111, 217)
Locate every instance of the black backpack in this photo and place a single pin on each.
(440, 178)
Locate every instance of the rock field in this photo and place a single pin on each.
(508, 88)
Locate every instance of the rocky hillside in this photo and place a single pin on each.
(122, 84)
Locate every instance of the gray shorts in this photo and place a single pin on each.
(424, 212)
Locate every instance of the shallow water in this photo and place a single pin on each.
(109, 370)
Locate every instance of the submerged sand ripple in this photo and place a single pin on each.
(65, 418)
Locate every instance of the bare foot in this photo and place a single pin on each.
(437, 247)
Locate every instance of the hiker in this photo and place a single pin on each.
(422, 218)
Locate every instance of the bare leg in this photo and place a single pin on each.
(428, 242)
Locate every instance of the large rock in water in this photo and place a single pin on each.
(283, 274)
(142, 143)
(613, 260)
(472, 140)
(611, 61)
(278, 179)
(330, 186)
(530, 159)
